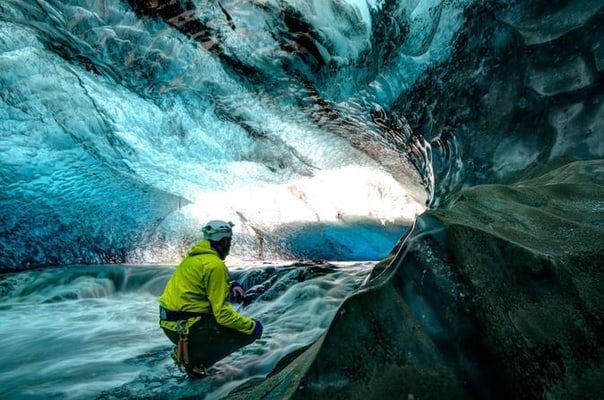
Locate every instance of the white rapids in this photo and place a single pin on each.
(92, 331)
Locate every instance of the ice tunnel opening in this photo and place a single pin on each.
(353, 213)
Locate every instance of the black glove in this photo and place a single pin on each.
(237, 294)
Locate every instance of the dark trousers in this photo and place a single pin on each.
(210, 342)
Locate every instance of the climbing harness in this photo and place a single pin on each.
(175, 316)
(181, 350)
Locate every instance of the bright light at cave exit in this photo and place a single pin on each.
(341, 195)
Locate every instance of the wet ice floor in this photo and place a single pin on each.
(92, 331)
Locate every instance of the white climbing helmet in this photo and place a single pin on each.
(216, 230)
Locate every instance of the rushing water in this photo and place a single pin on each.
(92, 331)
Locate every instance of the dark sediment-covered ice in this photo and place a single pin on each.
(497, 292)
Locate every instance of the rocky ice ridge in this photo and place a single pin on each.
(498, 295)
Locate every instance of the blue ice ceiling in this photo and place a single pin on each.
(113, 122)
(124, 125)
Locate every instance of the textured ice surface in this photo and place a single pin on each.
(599, 55)
(579, 128)
(519, 92)
(539, 24)
(125, 124)
(111, 122)
(572, 75)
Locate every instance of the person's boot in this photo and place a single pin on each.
(196, 371)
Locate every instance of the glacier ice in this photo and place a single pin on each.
(539, 24)
(578, 128)
(108, 117)
(553, 80)
(321, 128)
(119, 111)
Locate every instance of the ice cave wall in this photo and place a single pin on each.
(114, 120)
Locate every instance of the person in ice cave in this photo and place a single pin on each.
(195, 309)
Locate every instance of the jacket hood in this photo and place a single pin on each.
(202, 247)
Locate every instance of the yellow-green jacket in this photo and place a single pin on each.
(201, 284)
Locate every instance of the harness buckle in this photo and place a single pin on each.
(181, 327)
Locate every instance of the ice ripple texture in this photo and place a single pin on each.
(113, 121)
(126, 124)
